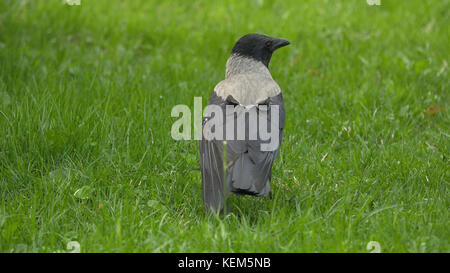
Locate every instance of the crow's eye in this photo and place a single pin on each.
(268, 44)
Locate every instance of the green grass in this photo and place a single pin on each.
(85, 99)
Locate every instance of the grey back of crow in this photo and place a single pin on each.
(248, 84)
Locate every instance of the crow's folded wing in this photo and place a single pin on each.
(248, 166)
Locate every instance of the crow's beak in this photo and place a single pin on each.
(278, 42)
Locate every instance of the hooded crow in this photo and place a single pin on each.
(248, 85)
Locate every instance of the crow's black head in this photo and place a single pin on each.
(259, 47)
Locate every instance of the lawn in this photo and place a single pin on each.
(86, 153)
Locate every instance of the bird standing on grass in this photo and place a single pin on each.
(248, 84)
